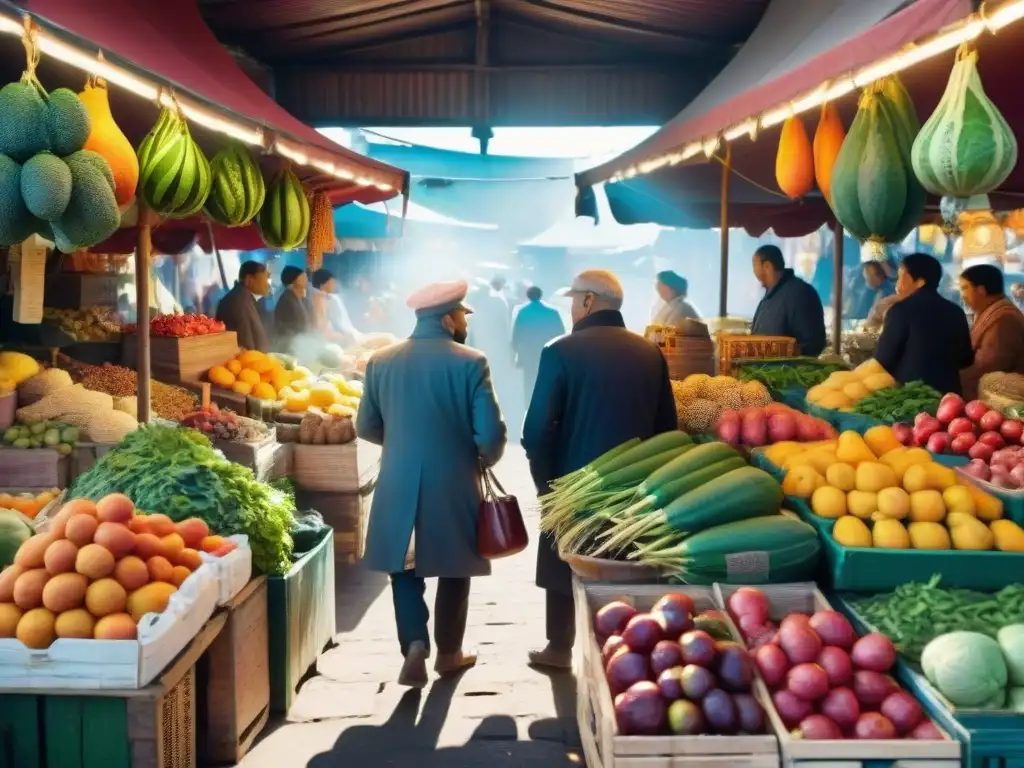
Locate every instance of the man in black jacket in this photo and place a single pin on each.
(596, 388)
(239, 309)
(790, 306)
(926, 337)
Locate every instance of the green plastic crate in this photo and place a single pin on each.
(988, 739)
(300, 619)
(1013, 501)
(842, 420)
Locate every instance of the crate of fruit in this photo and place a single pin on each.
(833, 699)
(685, 693)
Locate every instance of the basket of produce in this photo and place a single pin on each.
(735, 351)
(663, 681)
(836, 397)
(688, 349)
(832, 696)
(960, 655)
(612, 571)
(183, 347)
(697, 513)
(890, 514)
(701, 399)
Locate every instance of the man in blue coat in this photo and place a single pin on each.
(790, 306)
(535, 324)
(596, 388)
(430, 403)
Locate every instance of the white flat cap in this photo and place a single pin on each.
(439, 299)
(599, 282)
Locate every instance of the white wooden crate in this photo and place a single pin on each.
(805, 597)
(603, 747)
(233, 569)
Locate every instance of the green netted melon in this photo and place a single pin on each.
(237, 191)
(67, 122)
(16, 223)
(46, 185)
(174, 174)
(284, 217)
(22, 121)
(96, 160)
(92, 214)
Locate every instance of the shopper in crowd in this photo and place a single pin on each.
(597, 387)
(535, 324)
(672, 288)
(330, 317)
(879, 288)
(492, 334)
(1017, 293)
(997, 335)
(430, 402)
(925, 337)
(238, 309)
(291, 317)
(790, 306)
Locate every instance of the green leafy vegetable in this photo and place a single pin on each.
(177, 472)
(778, 375)
(900, 403)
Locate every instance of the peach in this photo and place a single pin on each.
(94, 561)
(178, 575)
(193, 531)
(8, 576)
(171, 546)
(80, 529)
(161, 525)
(105, 597)
(160, 569)
(116, 626)
(115, 508)
(131, 573)
(28, 589)
(116, 537)
(77, 623)
(60, 556)
(147, 545)
(64, 592)
(32, 554)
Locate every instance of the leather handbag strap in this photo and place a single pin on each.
(491, 483)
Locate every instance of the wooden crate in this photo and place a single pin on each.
(351, 467)
(85, 456)
(346, 513)
(70, 290)
(603, 747)
(848, 753)
(259, 457)
(235, 679)
(33, 468)
(183, 360)
(152, 727)
(735, 351)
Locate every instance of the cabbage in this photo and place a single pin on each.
(967, 667)
(1011, 640)
(1015, 700)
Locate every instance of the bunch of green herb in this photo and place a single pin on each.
(900, 403)
(177, 472)
(798, 372)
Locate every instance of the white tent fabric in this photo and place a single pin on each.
(579, 234)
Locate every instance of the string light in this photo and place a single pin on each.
(968, 29)
(95, 65)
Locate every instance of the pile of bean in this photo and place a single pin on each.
(168, 402)
(915, 614)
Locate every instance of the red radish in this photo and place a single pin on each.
(837, 665)
(960, 426)
(950, 406)
(808, 681)
(808, 428)
(978, 468)
(754, 429)
(747, 601)
(938, 443)
(991, 421)
(872, 688)
(833, 628)
(903, 710)
(921, 418)
(781, 426)
(962, 443)
(992, 438)
(841, 705)
(1002, 478)
(772, 664)
(975, 410)
(1012, 430)
(874, 652)
(981, 451)
(1017, 475)
(818, 728)
(927, 731)
(872, 725)
(903, 432)
(728, 431)
(800, 643)
(924, 429)
(792, 709)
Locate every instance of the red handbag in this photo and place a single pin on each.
(501, 531)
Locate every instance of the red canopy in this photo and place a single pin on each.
(687, 195)
(171, 42)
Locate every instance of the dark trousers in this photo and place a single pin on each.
(560, 620)
(451, 608)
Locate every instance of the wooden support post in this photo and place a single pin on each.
(723, 288)
(837, 288)
(143, 248)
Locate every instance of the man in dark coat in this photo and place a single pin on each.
(291, 317)
(925, 337)
(790, 306)
(596, 388)
(238, 309)
(535, 324)
(429, 401)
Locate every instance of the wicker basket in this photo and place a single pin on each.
(1000, 390)
(688, 348)
(736, 350)
(612, 571)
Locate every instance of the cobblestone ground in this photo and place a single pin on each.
(501, 713)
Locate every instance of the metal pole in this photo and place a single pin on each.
(837, 288)
(143, 247)
(723, 287)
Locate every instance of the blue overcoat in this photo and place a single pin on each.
(430, 403)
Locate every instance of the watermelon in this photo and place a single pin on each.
(966, 147)
(284, 217)
(174, 174)
(237, 190)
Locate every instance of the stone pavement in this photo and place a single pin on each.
(499, 714)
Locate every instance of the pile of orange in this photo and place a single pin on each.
(27, 504)
(254, 373)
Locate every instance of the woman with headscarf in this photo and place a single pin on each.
(290, 315)
(672, 288)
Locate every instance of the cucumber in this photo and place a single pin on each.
(737, 495)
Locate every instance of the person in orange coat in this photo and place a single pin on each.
(997, 334)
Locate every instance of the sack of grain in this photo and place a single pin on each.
(42, 384)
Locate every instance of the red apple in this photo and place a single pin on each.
(981, 451)
(991, 421)
(962, 443)
(975, 410)
(1012, 430)
(938, 443)
(992, 438)
(960, 426)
